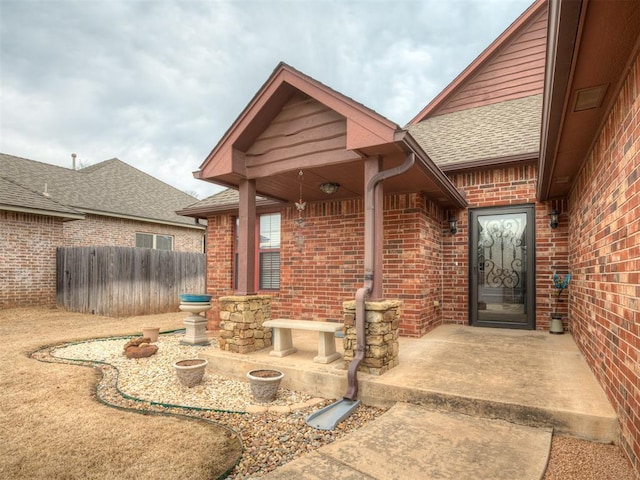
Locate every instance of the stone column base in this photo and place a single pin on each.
(383, 320)
(241, 319)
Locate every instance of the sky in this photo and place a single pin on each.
(156, 83)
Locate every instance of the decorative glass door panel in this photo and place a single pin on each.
(502, 268)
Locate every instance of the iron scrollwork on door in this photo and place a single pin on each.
(501, 252)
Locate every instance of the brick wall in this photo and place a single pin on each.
(321, 263)
(604, 236)
(502, 187)
(220, 250)
(28, 259)
(99, 231)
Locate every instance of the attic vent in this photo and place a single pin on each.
(562, 179)
(589, 98)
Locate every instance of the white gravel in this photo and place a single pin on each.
(271, 436)
(153, 378)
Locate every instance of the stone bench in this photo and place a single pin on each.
(283, 344)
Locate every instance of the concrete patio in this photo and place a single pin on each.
(529, 378)
(465, 402)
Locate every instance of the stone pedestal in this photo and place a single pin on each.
(195, 324)
(382, 321)
(241, 319)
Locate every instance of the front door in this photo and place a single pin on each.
(502, 258)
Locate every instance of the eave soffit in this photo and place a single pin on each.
(583, 52)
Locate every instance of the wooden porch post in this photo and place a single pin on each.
(247, 238)
(372, 166)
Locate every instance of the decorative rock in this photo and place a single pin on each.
(139, 348)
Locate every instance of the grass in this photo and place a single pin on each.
(53, 427)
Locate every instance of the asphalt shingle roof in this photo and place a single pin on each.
(492, 131)
(15, 195)
(226, 199)
(111, 187)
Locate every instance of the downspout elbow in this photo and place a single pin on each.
(352, 386)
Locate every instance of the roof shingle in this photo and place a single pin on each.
(111, 187)
(492, 131)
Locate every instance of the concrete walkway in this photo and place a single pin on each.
(413, 442)
(476, 392)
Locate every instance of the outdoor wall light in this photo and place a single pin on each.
(453, 224)
(553, 218)
(329, 187)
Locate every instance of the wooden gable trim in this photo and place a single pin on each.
(481, 62)
(364, 126)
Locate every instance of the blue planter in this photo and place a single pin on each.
(187, 297)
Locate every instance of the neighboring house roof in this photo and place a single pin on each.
(15, 197)
(500, 130)
(110, 188)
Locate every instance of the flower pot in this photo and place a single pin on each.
(151, 333)
(190, 371)
(556, 325)
(264, 384)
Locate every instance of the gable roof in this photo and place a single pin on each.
(491, 113)
(110, 188)
(296, 123)
(511, 67)
(364, 126)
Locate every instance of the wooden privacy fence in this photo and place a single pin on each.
(122, 281)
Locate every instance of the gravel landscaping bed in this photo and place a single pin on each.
(270, 439)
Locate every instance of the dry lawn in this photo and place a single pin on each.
(53, 427)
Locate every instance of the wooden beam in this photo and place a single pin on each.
(247, 238)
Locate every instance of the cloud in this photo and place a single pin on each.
(157, 83)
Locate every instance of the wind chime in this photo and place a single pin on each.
(299, 222)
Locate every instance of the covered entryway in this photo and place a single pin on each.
(332, 169)
(502, 256)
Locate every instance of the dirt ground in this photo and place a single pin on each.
(53, 427)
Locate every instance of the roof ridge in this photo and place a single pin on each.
(37, 161)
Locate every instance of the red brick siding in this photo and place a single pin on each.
(28, 259)
(97, 231)
(321, 264)
(493, 188)
(220, 250)
(604, 236)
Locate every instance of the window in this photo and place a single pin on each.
(151, 240)
(267, 254)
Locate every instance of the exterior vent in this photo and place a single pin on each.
(589, 98)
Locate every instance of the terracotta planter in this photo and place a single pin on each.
(264, 384)
(151, 333)
(190, 371)
(556, 324)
